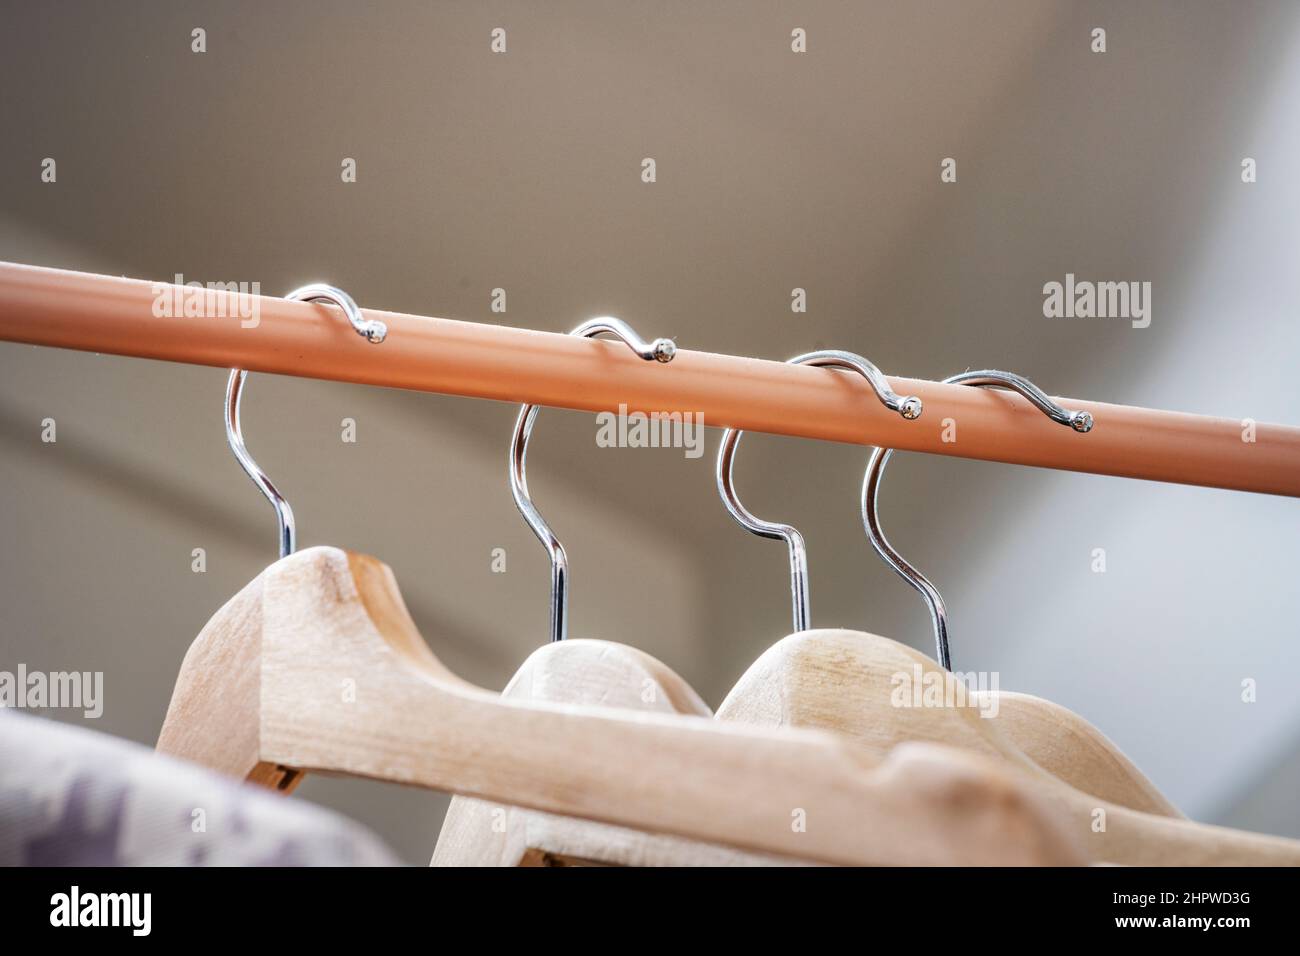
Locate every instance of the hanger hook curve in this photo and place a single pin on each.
(908, 407)
(659, 350)
(1079, 421)
(372, 330)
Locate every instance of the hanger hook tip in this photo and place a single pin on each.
(1081, 422)
(910, 407)
(663, 350)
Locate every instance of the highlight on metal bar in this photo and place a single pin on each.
(1079, 421)
(908, 407)
(659, 350)
(372, 330)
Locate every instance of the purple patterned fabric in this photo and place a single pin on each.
(70, 796)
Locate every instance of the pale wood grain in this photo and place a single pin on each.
(844, 680)
(348, 686)
(847, 680)
(599, 673)
(804, 681)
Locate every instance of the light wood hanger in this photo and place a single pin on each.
(803, 680)
(1054, 737)
(475, 833)
(1024, 730)
(317, 666)
(843, 680)
(1071, 749)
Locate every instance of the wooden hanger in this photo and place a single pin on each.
(475, 833)
(1017, 727)
(1073, 750)
(317, 666)
(1057, 739)
(803, 680)
(848, 681)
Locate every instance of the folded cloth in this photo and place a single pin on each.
(76, 797)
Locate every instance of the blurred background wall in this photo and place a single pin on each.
(775, 170)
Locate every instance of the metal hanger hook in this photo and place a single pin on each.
(372, 330)
(1080, 421)
(659, 350)
(908, 407)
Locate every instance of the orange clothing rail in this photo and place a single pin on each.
(77, 310)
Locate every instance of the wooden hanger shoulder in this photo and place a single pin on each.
(215, 714)
(812, 679)
(864, 683)
(475, 833)
(348, 686)
(870, 687)
(1070, 748)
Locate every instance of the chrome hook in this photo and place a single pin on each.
(372, 329)
(1079, 421)
(660, 350)
(908, 407)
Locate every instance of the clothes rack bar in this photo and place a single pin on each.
(76, 310)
